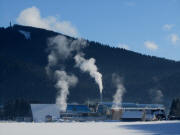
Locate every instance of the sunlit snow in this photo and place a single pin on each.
(92, 128)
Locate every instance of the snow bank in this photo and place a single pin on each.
(26, 34)
(90, 128)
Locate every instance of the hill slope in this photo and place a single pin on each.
(23, 61)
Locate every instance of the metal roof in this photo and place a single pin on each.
(77, 108)
(134, 105)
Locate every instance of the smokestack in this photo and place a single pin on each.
(101, 98)
(10, 24)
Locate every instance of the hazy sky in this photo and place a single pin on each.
(147, 26)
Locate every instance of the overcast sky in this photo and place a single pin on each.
(147, 26)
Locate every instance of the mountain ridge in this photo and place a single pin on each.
(23, 66)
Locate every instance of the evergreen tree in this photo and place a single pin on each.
(17, 108)
(175, 108)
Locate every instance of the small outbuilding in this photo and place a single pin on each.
(41, 111)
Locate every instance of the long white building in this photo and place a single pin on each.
(132, 111)
(104, 111)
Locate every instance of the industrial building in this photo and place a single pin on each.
(132, 111)
(102, 112)
(51, 112)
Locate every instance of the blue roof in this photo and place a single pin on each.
(77, 108)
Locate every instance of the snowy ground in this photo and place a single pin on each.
(92, 128)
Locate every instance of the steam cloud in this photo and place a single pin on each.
(156, 95)
(64, 81)
(61, 49)
(88, 65)
(117, 98)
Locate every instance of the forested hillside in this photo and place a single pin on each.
(147, 79)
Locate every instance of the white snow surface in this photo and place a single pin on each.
(26, 34)
(92, 128)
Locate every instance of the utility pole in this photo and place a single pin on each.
(10, 24)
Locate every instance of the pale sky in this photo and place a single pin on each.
(146, 26)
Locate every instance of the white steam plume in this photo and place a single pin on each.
(61, 48)
(156, 95)
(117, 98)
(64, 81)
(88, 65)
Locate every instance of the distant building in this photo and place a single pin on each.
(132, 111)
(10, 24)
(104, 111)
(75, 112)
(51, 112)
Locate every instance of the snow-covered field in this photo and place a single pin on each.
(92, 128)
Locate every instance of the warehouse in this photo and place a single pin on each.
(51, 112)
(104, 112)
(132, 111)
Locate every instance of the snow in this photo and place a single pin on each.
(90, 128)
(40, 111)
(26, 34)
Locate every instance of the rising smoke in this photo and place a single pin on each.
(156, 95)
(64, 81)
(62, 48)
(88, 65)
(120, 90)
